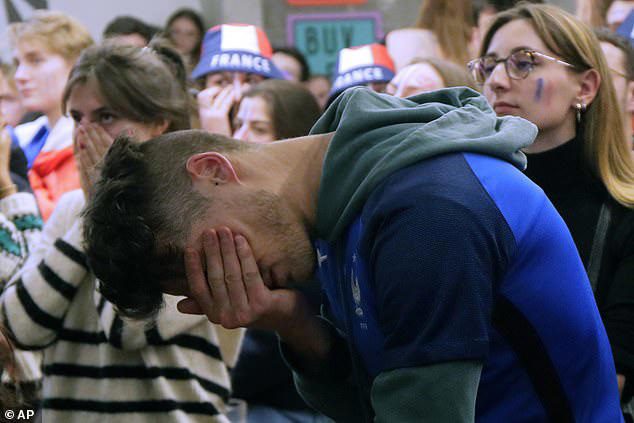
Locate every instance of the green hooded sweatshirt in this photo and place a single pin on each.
(378, 134)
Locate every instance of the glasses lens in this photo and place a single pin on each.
(519, 64)
(483, 68)
(488, 65)
(475, 68)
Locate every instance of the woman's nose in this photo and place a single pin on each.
(499, 78)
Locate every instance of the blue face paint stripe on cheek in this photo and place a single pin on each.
(539, 90)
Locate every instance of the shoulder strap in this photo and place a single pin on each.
(598, 244)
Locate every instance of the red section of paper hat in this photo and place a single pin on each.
(381, 56)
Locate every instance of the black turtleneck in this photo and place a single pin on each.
(574, 191)
(578, 197)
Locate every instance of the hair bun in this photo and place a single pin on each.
(172, 58)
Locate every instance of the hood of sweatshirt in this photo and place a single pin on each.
(378, 134)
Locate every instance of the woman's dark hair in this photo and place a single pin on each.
(125, 25)
(301, 59)
(143, 84)
(196, 19)
(292, 107)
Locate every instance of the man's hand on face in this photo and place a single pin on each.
(230, 291)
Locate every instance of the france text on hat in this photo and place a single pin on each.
(361, 65)
(236, 48)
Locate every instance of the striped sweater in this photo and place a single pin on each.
(20, 226)
(98, 366)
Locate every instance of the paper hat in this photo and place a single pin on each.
(236, 48)
(361, 65)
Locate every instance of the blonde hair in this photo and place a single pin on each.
(451, 21)
(593, 12)
(57, 32)
(605, 149)
(7, 72)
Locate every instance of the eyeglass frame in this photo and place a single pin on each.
(532, 53)
(619, 73)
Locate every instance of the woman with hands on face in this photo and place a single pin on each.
(114, 90)
(234, 58)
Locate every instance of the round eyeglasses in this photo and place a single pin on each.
(518, 64)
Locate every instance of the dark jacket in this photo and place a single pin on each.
(578, 196)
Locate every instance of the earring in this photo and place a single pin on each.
(580, 108)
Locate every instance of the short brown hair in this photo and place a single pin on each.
(141, 212)
(59, 33)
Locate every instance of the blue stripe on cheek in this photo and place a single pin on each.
(540, 89)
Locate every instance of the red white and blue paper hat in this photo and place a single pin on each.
(361, 65)
(236, 48)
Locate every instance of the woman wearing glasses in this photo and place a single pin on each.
(542, 64)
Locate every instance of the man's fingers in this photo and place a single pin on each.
(233, 275)
(215, 273)
(197, 283)
(250, 272)
(189, 306)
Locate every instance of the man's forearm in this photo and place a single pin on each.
(321, 369)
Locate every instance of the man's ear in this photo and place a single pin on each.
(212, 167)
(589, 84)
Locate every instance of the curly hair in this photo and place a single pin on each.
(140, 214)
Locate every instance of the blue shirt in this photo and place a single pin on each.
(461, 257)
